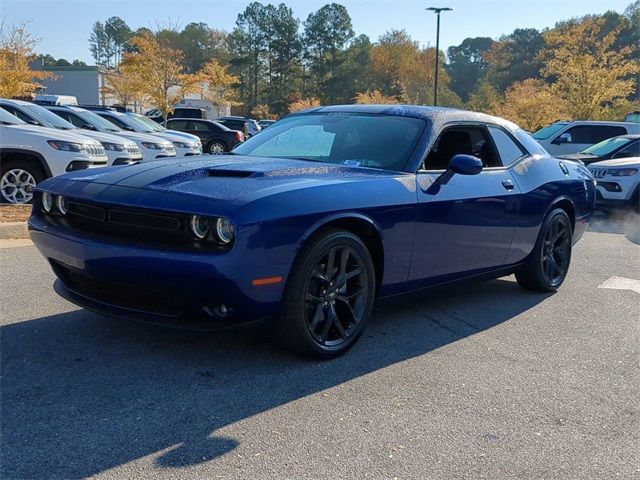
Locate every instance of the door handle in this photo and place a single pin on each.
(508, 184)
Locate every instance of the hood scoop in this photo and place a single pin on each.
(222, 173)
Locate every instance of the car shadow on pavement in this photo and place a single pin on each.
(81, 394)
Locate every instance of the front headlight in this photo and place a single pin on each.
(225, 230)
(47, 201)
(152, 146)
(61, 204)
(66, 146)
(181, 145)
(622, 172)
(114, 147)
(199, 226)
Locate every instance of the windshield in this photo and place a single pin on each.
(147, 122)
(48, 118)
(547, 132)
(97, 121)
(7, 119)
(607, 146)
(378, 141)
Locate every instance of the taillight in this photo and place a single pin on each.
(239, 136)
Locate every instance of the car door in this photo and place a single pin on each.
(579, 137)
(467, 225)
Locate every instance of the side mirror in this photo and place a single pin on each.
(563, 138)
(89, 127)
(459, 164)
(465, 164)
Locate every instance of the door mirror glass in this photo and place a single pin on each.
(563, 138)
(465, 164)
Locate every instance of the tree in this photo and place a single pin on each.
(16, 53)
(485, 99)
(531, 104)
(514, 58)
(117, 34)
(218, 86)
(375, 97)
(467, 65)
(161, 71)
(261, 112)
(300, 103)
(327, 33)
(200, 44)
(588, 71)
(124, 85)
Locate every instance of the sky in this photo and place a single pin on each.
(63, 26)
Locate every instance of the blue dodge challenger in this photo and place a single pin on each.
(310, 221)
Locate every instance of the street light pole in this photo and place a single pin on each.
(437, 11)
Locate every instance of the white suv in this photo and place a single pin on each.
(618, 182)
(28, 155)
(561, 138)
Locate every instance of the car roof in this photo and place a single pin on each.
(174, 119)
(16, 102)
(440, 115)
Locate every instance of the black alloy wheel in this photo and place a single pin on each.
(329, 295)
(548, 264)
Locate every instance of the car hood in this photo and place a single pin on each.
(102, 137)
(617, 162)
(583, 157)
(53, 133)
(228, 178)
(138, 137)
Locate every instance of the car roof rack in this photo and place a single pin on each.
(108, 108)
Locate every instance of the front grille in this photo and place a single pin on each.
(598, 172)
(95, 150)
(120, 294)
(133, 150)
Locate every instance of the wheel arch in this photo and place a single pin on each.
(360, 225)
(566, 204)
(35, 156)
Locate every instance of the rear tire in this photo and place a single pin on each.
(18, 179)
(329, 295)
(548, 263)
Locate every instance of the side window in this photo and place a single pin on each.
(74, 119)
(508, 150)
(591, 134)
(115, 120)
(466, 140)
(631, 150)
(200, 126)
(178, 124)
(20, 115)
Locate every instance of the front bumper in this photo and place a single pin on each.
(161, 286)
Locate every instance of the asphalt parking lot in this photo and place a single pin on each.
(484, 381)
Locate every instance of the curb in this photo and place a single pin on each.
(13, 230)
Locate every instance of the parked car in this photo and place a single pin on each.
(47, 99)
(312, 220)
(561, 138)
(247, 126)
(215, 137)
(624, 146)
(30, 154)
(184, 143)
(633, 117)
(265, 123)
(178, 112)
(618, 182)
(152, 148)
(120, 151)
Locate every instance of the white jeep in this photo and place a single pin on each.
(29, 154)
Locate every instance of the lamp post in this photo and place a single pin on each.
(437, 11)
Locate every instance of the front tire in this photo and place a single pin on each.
(329, 295)
(549, 262)
(18, 179)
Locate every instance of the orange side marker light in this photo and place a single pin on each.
(260, 282)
